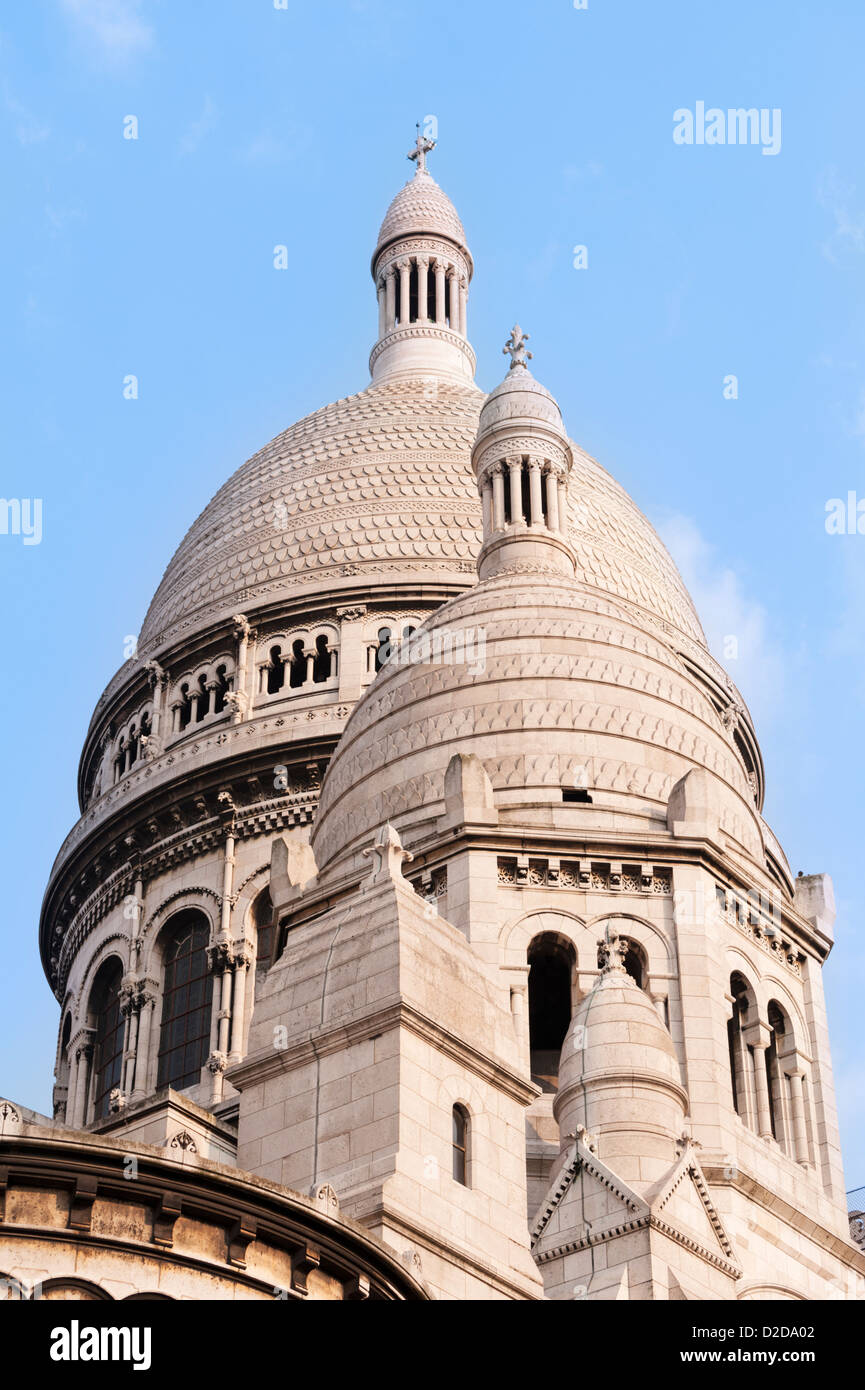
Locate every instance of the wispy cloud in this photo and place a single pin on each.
(60, 216)
(114, 27)
(736, 625)
(848, 233)
(29, 129)
(198, 129)
(270, 147)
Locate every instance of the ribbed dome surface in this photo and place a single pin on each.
(616, 1031)
(381, 483)
(520, 399)
(421, 207)
(566, 679)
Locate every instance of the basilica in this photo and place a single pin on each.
(421, 936)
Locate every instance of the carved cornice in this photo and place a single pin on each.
(543, 445)
(437, 247)
(423, 330)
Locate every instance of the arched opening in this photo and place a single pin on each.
(383, 650)
(74, 1290)
(636, 963)
(220, 690)
(743, 1014)
(460, 1144)
(321, 660)
(262, 913)
(413, 292)
(185, 706)
(133, 744)
(187, 990)
(275, 671)
(107, 1020)
(551, 965)
(782, 1046)
(525, 492)
(297, 674)
(63, 1069)
(203, 699)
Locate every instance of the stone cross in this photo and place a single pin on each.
(516, 346)
(422, 148)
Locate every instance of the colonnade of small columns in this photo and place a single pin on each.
(206, 697)
(445, 307)
(531, 491)
(306, 662)
(758, 1063)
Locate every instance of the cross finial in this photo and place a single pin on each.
(422, 147)
(516, 346)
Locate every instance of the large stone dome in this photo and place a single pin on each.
(374, 484)
(379, 484)
(551, 683)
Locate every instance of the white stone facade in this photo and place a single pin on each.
(422, 712)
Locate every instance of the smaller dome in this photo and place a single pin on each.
(616, 1032)
(619, 1075)
(421, 208)
(520, 401)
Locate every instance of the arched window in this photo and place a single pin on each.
(460, 1145)
(741, 1055)
(635, 963)
(61, 1110)
(63, 1066)
(551, 964)
(383, 649)
(185, 706)
(220, 690)
(108, 1041)
(262, 912)
(202, 702)
(779, 1084)
(133, 744)
(321, 662)
(275, 671)
(184, 1037)
(297, 675)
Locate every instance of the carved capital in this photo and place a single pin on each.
(217, 1062)
(155, 674)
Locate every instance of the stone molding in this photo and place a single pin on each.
(262, 1066)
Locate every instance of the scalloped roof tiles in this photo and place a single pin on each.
(383, 480)
(421, 207)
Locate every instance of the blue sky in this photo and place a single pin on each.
(259, 127)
